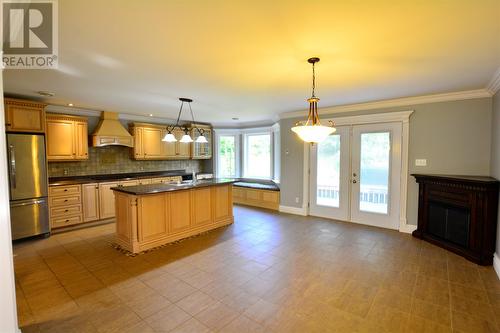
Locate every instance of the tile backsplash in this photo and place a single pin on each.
(116, 159)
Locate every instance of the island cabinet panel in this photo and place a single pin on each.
(202, 206)
(153, 217)
(146, 220)
(126, 211)
(180, 210)
(223, 207)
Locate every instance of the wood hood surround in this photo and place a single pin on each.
(110, 131)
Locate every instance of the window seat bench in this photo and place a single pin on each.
(257, 194)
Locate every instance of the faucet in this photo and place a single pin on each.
(194, 177)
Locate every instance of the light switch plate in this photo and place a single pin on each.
(420, 162)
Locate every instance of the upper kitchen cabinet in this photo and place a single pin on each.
(147, 141)
(182, 149)
(148, 144)
(67, 138)
(201, 150)
(24, 116)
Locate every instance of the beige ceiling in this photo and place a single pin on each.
(247, 59)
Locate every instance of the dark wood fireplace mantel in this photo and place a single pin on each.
(459, 213)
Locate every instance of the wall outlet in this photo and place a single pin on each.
(420, 162)
(65, 172)
(296, 199)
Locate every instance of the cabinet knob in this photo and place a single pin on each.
(65, 190)
(66, 200)
(66, 221)
(66, 210)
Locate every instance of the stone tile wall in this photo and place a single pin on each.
(116, 159)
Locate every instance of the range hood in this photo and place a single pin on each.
(110, 132)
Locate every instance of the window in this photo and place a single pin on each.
(257, 158)
(226, 162)
(247, 153)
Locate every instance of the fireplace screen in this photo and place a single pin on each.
(449, 222)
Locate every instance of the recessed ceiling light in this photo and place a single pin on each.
(235, 118)
(150, 114)
(46, 93)
(70, 104)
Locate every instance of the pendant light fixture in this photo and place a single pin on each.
(186, 138)
(312, 131)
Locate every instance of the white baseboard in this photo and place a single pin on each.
(407, 228)
(496, 263)
(294, 210)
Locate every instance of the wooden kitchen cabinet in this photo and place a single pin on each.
(201, 150)
(182, 149)
(151, 141)
(107, 200)
(90, 201)
(67, 138)
(65, 203)
(168, 148)
(24, 116)
(148, 144)
(81, 137)
(137, 152)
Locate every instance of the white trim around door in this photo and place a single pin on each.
(401, 117)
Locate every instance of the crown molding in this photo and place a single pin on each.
(75, 111)
(494, 84)
(404, 101)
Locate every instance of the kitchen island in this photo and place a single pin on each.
(151, 215)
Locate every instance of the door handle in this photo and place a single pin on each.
(354, 181)
(12, 153)
(34, 202)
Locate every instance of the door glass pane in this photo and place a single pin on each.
(328, 173)
(227, 157)
(374, 172)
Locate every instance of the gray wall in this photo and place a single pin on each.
(495, 151)
(454, 137)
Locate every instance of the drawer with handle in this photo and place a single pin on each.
(65, 210)
(66, 221)
(65, 200)
(64, 190)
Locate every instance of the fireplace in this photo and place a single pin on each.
(459, 213)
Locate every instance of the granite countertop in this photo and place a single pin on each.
(70, 180)
(159, 188)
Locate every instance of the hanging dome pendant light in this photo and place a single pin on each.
(186, 138)
(312, 131)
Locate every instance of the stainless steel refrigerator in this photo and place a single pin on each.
(29, 211)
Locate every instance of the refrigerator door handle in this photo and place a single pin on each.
(32, 202)
(12, 154)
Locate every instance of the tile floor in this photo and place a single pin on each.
(268, 272)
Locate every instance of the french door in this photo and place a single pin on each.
(355, 175)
